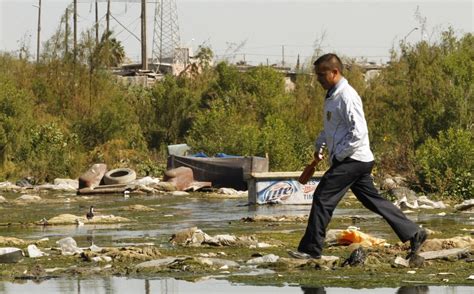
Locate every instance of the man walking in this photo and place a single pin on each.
(345, 136)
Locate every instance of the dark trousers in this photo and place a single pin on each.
(332, 187)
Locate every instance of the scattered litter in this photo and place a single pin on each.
(353, 235)
(411, 272)
(95, 248)
(146, 181)
(231, 191)
(471, 277)
(196, 237)
(34, 252)
(68, 246)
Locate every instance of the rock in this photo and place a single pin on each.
(388, 184)
(467, 204)
(423, 200)
(269, 258)
(93, 176)
(159, 262)
(216, 262)
(34, 252)
(403, 192)
(7, 186)
(416, 261)
(71, 219)
(2, 199)
(447, 253)
(188, 237)
(10, 255)
(196, 237)
(28, 198)
(455, 242)
(400, 261)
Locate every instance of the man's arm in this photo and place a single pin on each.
(319, 145)
(353, 115)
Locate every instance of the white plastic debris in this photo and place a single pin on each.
(102, 258)
(34, 252)
(95, 248)
(68, 246)
(269, 258)
(146, 181)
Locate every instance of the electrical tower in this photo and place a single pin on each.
(166, 32)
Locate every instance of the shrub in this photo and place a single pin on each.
(446, 164)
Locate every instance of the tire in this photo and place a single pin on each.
(119, 176)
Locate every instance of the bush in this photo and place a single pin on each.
(446, 164)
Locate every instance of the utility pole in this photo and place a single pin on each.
(144, 57)
(107, 18)
(282, 55)
(75, 30)
(39, 31)
(96, 23)
(66, 32)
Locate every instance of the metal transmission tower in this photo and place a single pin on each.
(166, 32)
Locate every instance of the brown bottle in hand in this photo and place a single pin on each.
(308, 172)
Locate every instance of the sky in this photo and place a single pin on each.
(258, 31)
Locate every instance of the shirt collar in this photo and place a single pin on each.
(335, 87)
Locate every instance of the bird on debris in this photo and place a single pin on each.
(90, 214)
(357, 257)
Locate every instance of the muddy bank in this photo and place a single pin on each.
(230, 240)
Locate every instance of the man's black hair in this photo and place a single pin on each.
(331, 60)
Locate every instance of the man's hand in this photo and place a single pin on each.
(318, 156)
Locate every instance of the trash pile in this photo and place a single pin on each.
(196, 237)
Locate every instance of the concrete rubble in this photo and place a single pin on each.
(466, 205)
(196, 237)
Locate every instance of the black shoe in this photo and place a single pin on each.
(416, 241)
(303, 255)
